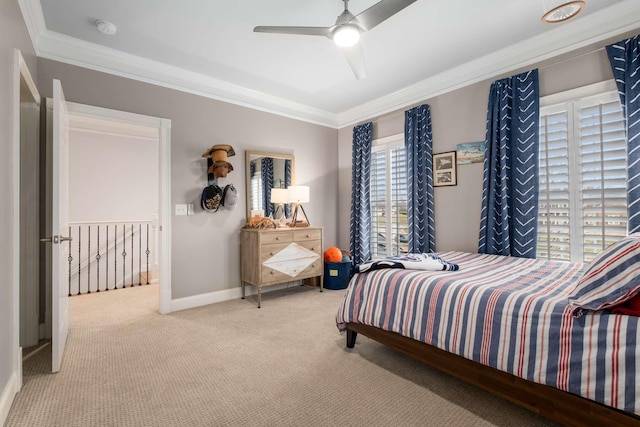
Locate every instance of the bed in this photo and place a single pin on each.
(506, 325)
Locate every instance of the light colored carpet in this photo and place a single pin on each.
(232, 364)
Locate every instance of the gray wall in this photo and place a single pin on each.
(459, 116)
(205, 247)
(13, 34)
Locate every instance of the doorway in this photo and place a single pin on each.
(32, 301)
(99, 120)
(113, 204)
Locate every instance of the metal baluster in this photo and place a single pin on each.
(98, 262)
(147, 252)
(70, 258)
(106, 263)
(131, 254)
(124, 253)
(79, 241)
(115, 256)
(139, 254)
(89, 260)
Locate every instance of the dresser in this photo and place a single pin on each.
(273, 256)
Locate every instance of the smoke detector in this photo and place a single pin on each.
(106, 27)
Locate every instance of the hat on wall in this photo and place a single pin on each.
(219, 152)
(211, 198)
(229, 197)
(219, 166)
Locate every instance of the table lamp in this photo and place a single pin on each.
(298, 194)
(279, 196)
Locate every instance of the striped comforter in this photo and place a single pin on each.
(508, 313)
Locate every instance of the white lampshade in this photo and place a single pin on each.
(298, 194)
(279, 195)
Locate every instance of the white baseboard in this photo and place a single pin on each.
(6, 398)
(220, 296)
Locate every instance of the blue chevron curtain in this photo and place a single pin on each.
(420, 210)
(625, 62)
(266, 171)
(508, 222)
(360, 236)
(287, 183)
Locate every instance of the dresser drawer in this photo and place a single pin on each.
(314, 269)
(312, 245)
(273, 276)
(267, 251)
(302, 235)
(277, 237)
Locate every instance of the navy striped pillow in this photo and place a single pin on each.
(612, 278)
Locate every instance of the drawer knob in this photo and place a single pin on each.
(271, 253)
(271, 272)
(308, 235)
(277, 238)
(313, 249)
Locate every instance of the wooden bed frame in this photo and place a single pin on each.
(557, 405)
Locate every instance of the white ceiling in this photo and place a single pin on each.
(208, 47)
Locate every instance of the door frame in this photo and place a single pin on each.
(163, 127)
(164, 200)
(20, 72)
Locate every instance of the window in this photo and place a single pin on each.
(583, 180)
(256, 188)
(388, 186)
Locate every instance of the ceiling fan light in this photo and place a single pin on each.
(561, 10)
(346, 35)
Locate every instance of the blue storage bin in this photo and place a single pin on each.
(337, 274)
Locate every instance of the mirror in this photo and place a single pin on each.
(266, 171)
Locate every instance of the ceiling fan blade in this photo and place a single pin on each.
(305, 31)
(379, 12)
(355, 58)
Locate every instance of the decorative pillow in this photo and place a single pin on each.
(612, 278)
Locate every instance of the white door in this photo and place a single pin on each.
(60, 250)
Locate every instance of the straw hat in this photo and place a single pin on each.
(218, 154)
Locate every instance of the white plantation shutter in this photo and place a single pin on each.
(582, 201)
(604, 174)
(554, 233)
(388, 193)
(256, 192)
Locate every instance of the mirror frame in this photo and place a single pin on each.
(258, 154)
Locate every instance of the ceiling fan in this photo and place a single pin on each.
(346, 31)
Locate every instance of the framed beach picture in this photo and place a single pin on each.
(444, 169)
(470, 152)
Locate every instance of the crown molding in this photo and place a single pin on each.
(615, 20)
(73, 51)
(34, 20)
(70, 50)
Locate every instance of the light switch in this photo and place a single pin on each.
(190, 209)
(181, 210)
